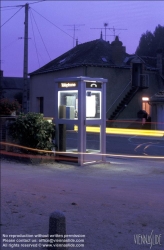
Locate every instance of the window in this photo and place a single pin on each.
(40, 104)
(145, 105)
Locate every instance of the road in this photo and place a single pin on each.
(117, 144)
(135, 145)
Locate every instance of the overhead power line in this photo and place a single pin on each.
(34, 38)
(41, 36)
(11, 17)
(52, 23)
(8, 9)
(10, 6)
(37, 2)
(2, 7)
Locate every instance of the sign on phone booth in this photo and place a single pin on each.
(80, 104)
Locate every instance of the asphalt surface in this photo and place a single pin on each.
(110, 204)
(117, 144)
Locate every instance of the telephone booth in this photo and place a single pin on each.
(80, 118)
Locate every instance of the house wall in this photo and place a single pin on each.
(160, 116)
(136, 103)
(157, 115)
(119, 83)
(117, 86)
(43, 86)
(12, 93)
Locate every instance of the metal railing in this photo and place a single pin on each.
(118, 97)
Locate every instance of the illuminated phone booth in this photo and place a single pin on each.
(80, 118)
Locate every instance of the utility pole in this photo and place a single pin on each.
(25, 67)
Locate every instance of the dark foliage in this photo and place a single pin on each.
(150, 42)
(31, 130)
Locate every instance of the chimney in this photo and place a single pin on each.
(159, 61)
(76, 42)
(118, 51)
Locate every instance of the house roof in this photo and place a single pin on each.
(93, 53)
(158, 97)
(151, 62)
(12, 83)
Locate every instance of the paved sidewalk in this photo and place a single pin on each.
(108, 203)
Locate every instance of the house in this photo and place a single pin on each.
(132, 80)
(12, 88)
(157, 110)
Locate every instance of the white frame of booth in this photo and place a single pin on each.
(83, 85)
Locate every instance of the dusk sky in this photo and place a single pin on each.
(51, 25)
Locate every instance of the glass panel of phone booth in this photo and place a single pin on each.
(68, 109)
(93, 112)
(93, 104)
(68, 104)
(72, 140)
(92, 139)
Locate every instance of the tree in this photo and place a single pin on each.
(159, 37)
(149, 43)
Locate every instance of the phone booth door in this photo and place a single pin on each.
(95, 122)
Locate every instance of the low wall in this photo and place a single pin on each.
(4, 135)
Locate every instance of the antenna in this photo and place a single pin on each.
(74, 30)
(114, 34)
(105, 25)
(105, 28)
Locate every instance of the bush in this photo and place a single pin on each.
(7, 106)
(31, 130)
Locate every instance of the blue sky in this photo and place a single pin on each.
(51, 25)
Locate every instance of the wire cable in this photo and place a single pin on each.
(10, 6)
(2, 7)
(8, 9)
(53, 24)
(41, 38)
(37, 2)
(31, 15)
(11, 17)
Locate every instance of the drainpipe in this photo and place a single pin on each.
(86, 73)
(159, 61)
(159, 67)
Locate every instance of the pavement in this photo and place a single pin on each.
(112, 205)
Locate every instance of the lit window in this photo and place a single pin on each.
(145, 98)
(145, 104)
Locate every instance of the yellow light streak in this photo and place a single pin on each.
(65, 153)
(72, 153)
(125, 131)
